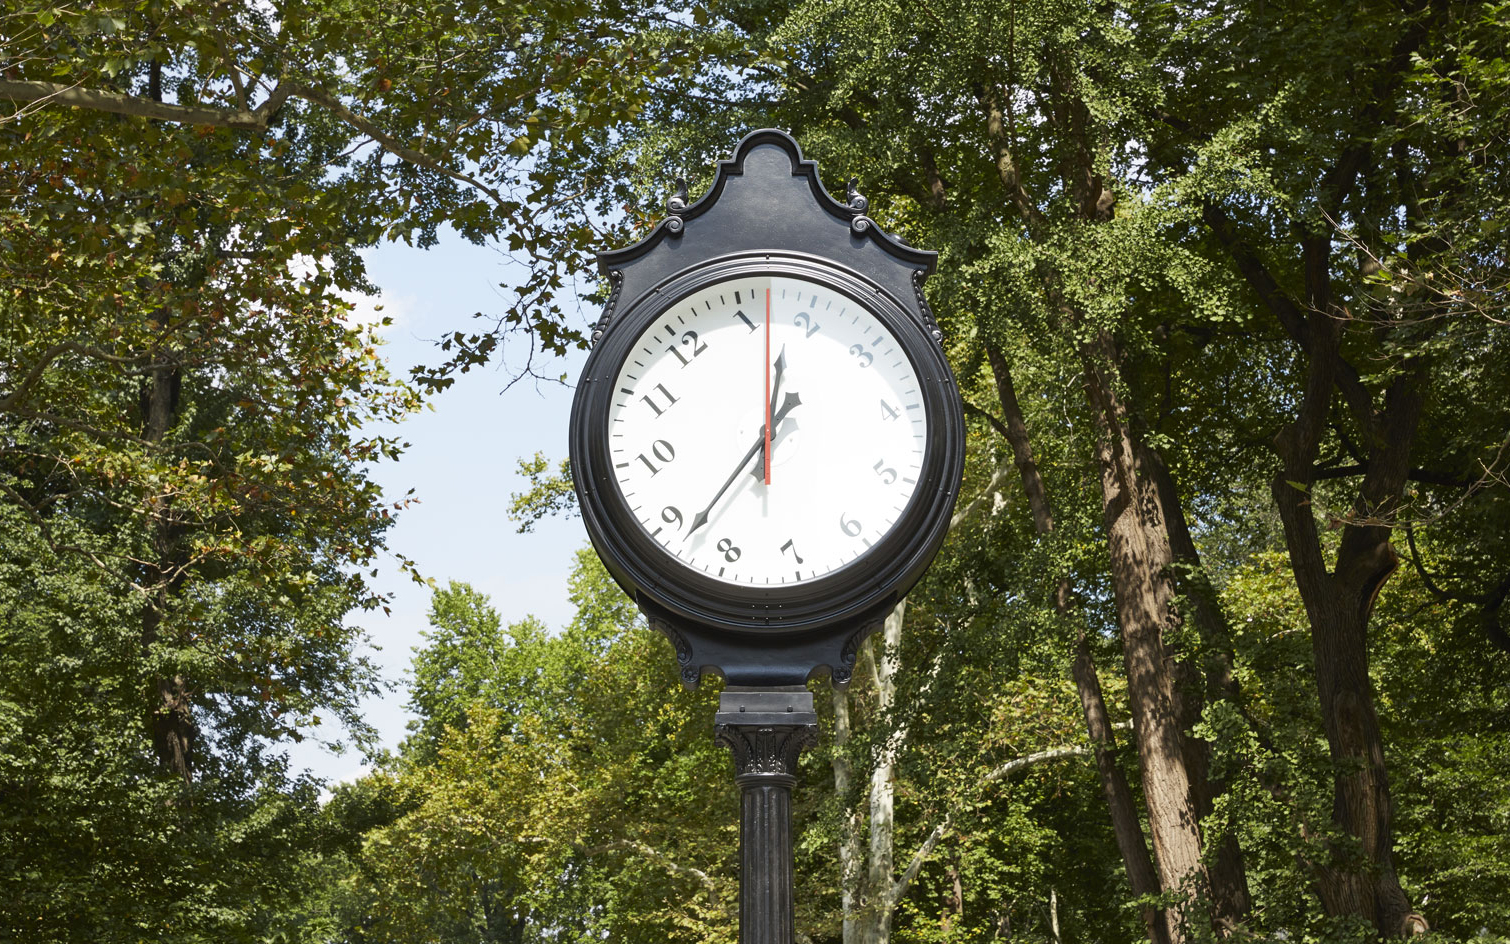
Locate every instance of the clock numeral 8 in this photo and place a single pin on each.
(661, 450)
(730, 552)
(850, 526)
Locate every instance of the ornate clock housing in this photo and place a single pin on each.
(767, 439)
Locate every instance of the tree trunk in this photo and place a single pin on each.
(1119, 800)
(876, 915)
(849, 829)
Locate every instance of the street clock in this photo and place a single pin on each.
(767, 441)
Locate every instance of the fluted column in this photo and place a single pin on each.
(766, 730)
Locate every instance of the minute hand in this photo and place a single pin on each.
(791, 401)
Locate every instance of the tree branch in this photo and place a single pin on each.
(116, 103)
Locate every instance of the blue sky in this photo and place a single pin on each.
(462, 462)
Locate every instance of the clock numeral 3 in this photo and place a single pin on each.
(789, 546)
(803, 320)
(866, 358)
(689, 340)
(649, 400)
(661, 450)
(730, 552)
(849, 526)
(888, 474)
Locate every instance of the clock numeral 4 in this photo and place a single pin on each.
(849, 526)
(789, 546)
(888, 411)
(888, 475)
(806, 322)
(730, 552)
(689, 340)
(649, 400)
(661, 450)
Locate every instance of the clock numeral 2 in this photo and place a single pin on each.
(689, 339)
(649, 400)
(730, 552)
(806, 322)
(789, 546)
(661, 450)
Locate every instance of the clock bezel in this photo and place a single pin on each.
(856, 591)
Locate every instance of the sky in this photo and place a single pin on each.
(462, 463)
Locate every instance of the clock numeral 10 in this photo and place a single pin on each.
(689, 340)
(661, 450)
(649, 400)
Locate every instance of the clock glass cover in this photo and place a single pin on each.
(767, 430)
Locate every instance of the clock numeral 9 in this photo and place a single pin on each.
(672, 516)
(866, 358)
(804, 320)
(730, 552)
(888, 475)
(689, 339)
(661, 450)
(849, 526)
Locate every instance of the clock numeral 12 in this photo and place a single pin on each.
(649, 400)
(689, 339)
(661, 450)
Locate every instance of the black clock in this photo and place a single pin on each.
(767, 440)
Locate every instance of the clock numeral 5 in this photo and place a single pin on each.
(850, 527)
(866, 358)
(649, 400)
(689, 339)
(804, 321)
(661, 450)
(888, 475)
(730, 552)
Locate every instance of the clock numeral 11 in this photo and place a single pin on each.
(661, 450)
(649, 400)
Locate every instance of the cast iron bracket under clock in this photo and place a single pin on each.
(767, 444)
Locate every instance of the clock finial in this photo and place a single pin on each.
(676, 205)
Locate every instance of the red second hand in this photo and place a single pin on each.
(767, 403)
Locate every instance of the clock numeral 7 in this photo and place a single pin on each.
(888, 475)
(661, 450)
(649, 400)
(689, 339)
(789, 546)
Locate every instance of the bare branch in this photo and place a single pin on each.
(116, 103)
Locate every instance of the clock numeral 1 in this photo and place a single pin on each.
(789, 546)
(730, 552)
(850, 527)
(689, 339)
(661, 450)
(806, 322)
(888, 475)
(649, 400)
(889, 411)
(748, 323)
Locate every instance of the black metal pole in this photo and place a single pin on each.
(766, 730)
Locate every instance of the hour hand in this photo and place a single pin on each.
(789, 403)
(759, 470)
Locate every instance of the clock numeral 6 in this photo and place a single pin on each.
(806, 322)
(730, 552)
(849, 526)
(866, 358)
(888, 475)
(661, 450)
(689, 340)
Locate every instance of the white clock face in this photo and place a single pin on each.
(767, 430)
